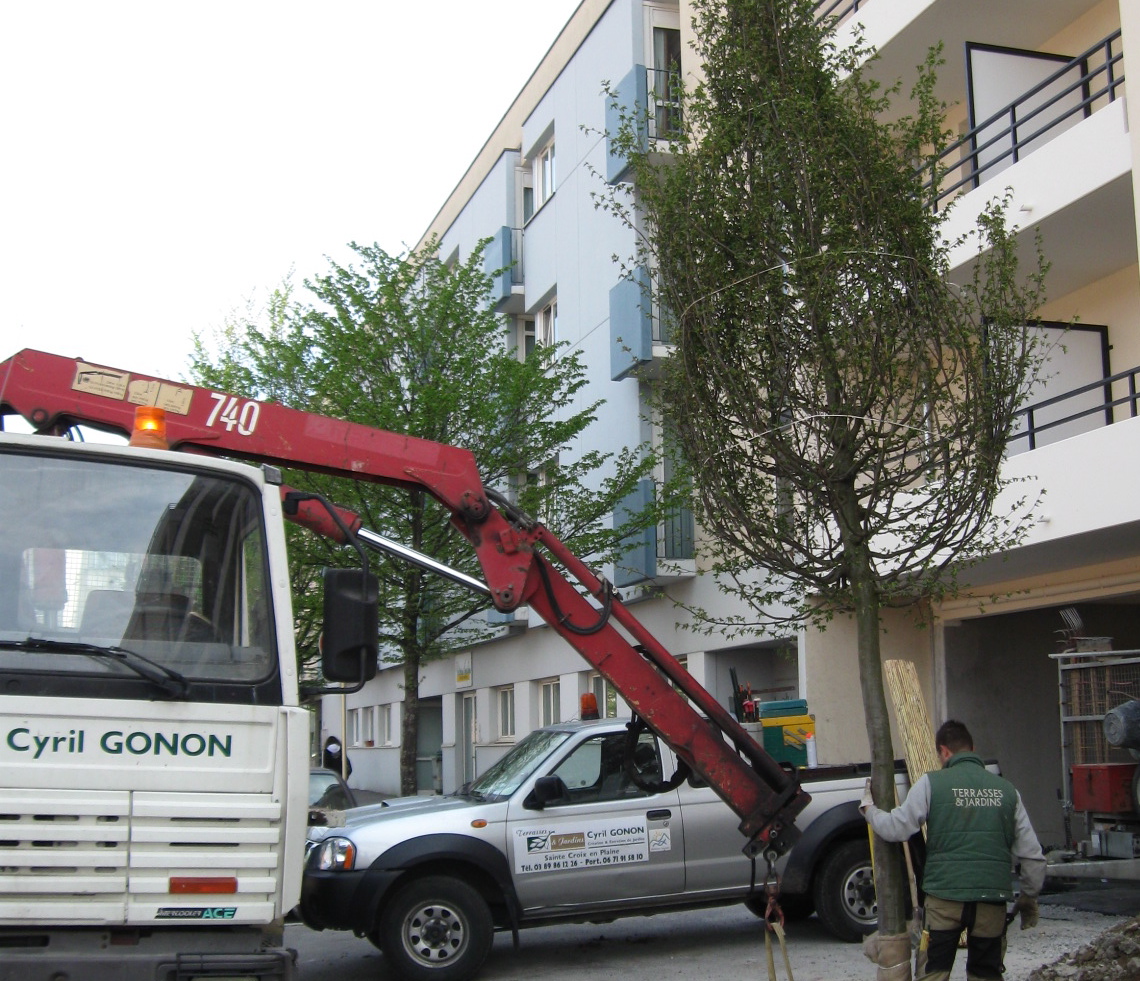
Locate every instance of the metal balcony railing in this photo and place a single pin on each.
(839, 9)
(1123, 380)
(1007, 135)
(675, 536)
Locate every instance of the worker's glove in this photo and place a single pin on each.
(1027, 908)
(867, 800)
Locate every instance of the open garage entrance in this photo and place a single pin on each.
(1000, 680)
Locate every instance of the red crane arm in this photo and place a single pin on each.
(54, 393)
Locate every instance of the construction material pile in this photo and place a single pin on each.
(1112, 956)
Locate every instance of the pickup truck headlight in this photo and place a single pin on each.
(335, 855)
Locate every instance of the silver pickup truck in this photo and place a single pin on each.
(560, 829)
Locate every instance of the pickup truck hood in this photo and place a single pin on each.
(374, 828)
(406, 807)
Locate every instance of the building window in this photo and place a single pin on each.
(360, 727)
(531, 491)
(526, 337)
(385, 727)
(506, 703)
(526, 189)
(664, 81)
(550, 703)
(546, 324)
(606, 695)
(542, 177)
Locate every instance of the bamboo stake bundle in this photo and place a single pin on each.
(910, 713)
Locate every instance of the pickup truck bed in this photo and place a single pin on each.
(560, 830)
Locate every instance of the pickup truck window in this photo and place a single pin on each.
(596, 770)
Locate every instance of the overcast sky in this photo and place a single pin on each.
(163, 162)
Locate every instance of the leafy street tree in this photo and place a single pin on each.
(843, 406)
(410, 345)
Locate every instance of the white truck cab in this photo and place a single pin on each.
(153, 755)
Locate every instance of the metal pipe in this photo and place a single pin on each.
(389, 547)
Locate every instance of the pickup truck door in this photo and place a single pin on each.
(605, 841)
(714, 847)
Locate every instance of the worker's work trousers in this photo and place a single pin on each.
(984, 924)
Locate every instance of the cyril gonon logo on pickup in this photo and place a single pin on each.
(585, 845)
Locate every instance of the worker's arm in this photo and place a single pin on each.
(1026, 850)
(904, 820)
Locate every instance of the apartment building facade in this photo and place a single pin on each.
(1038, 96)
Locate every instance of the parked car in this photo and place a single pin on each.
(559, 830)
(328, 790)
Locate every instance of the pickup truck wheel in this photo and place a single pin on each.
(845, 892)
(436, 929)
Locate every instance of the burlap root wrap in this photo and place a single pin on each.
(891, 954)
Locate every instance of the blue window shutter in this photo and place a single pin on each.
(631, 325)
(632, 96)
(497, 264)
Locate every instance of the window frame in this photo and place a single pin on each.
(550, 701)
(505, 712)
(384, 727)
(546, 324)
(606, 694)
(544, 175)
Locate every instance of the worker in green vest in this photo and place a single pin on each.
(977, 828)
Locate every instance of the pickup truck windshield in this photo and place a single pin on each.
(162, 569)
(503, 777)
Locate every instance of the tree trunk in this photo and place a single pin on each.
(890, 875)
(409, 726)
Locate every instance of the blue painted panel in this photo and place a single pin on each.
(631, 325)
(632, 96)
(497, 263)
(640, 562)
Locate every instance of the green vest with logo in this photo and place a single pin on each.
(970, 830)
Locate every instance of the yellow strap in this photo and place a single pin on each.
(778, 929)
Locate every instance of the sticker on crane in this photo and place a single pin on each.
(93, 379)
(172, 398)
(587, 845)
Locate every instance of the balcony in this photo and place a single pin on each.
(1062, 148)
(516, 621)
(837, 10)
(1092, 406)
(654, 96)
(640, 337)
(1071, 92)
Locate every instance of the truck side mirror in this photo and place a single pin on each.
(349, 641)
(546, 790)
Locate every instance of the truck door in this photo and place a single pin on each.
(605, 841)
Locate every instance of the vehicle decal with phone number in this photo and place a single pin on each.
(587, 844)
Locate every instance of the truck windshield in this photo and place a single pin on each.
(164, 568)
(503, 777)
